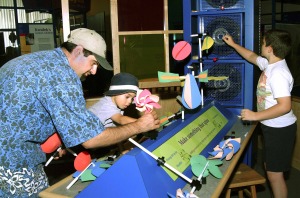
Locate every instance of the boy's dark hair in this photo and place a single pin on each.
(280, 41)
(70, 46)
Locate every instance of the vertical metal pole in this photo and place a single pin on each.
(273, 13)
(166, 37)
(200, 64)
(65, 18)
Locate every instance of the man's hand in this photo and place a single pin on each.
(61, 153)
(149, 121)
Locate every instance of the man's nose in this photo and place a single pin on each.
(94, 69)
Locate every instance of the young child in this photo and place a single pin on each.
(110, 108)
(273, 105)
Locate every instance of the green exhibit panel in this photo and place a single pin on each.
(137, 174)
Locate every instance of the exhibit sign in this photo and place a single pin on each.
(191, 140)
(40, 37)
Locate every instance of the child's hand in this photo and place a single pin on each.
(228, 40)
(248, 115)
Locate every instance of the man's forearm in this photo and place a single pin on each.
(113, 135)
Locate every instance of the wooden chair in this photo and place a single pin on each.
(244, 178)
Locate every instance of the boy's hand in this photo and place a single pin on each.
(248, 115)
(228, 40)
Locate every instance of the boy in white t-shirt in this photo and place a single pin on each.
(274, 106)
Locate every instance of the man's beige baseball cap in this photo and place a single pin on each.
(92, 41)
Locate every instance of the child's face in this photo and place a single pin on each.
(124, 100)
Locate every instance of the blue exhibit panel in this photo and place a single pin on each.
(136, 174)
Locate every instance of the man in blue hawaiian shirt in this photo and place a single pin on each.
(41, 93)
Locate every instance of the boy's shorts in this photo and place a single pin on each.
(278, 147)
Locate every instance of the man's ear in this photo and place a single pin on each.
(77, 50)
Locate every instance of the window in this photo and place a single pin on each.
(143, 34)
(11, 15)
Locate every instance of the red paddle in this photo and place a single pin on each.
(51, 144)
(81, 163)
(181, 50)
(82, 160)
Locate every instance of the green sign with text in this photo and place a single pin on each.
(191, 140)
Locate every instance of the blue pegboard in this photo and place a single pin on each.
(228, 92)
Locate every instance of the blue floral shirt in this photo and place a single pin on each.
(39, 94)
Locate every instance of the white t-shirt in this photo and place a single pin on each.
(104, 109)
(275, 81)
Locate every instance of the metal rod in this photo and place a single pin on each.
(156, 158)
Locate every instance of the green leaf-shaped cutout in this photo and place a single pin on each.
(215, 162)
(198, 159)
(198, 163)
(215, 171)
(87, 176)
(104, 165)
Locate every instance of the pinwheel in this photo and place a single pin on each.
(145, 101)
(182, 194)
(226, 149)
(191, 95)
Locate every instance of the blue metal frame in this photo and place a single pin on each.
(193, 11)
(194, 16)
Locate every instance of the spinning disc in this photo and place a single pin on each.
(220, 26)
(224, 90)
